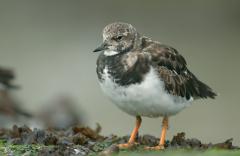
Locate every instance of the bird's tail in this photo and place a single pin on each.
(205, 91)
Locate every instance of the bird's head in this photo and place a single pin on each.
(118, 38)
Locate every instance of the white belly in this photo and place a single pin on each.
(148, 98)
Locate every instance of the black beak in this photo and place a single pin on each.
(101, 47)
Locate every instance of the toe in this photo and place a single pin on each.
(127, 145)
(157, 148)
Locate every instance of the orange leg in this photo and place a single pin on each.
(160, 146)
(131, 141)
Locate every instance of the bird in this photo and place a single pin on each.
(10, 109)
(145, 78)
(6, 77)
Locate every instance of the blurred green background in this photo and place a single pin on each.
(49, 44)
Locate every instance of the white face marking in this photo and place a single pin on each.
(110, 53)
(148, 98)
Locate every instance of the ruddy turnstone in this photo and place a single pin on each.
(145, 77)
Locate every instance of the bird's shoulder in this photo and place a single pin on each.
(163, 55)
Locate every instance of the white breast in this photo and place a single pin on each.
(148, 98)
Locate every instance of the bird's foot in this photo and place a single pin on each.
(156, 148)
(127, 145)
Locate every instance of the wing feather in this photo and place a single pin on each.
(172, 69)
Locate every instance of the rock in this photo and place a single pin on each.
(15, 132)
(148, 140)
(65, 141)
(113, 149)
(194, 143)
(79, 139)
(39, 135)
(112, 139)
(179, 139)
(28, 138)
(123, 139)
(80, 150)
(50, 139)
(24, 129)
(225, 145)
(88, 132)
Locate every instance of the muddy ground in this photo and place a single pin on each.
(81, 141)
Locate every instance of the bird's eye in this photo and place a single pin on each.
(118, 38)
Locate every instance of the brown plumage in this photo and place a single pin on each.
(172, 69)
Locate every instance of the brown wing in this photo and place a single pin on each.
(172, 69)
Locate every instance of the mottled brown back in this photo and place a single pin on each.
(172, 69)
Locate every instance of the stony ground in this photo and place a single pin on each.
(80, 141)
